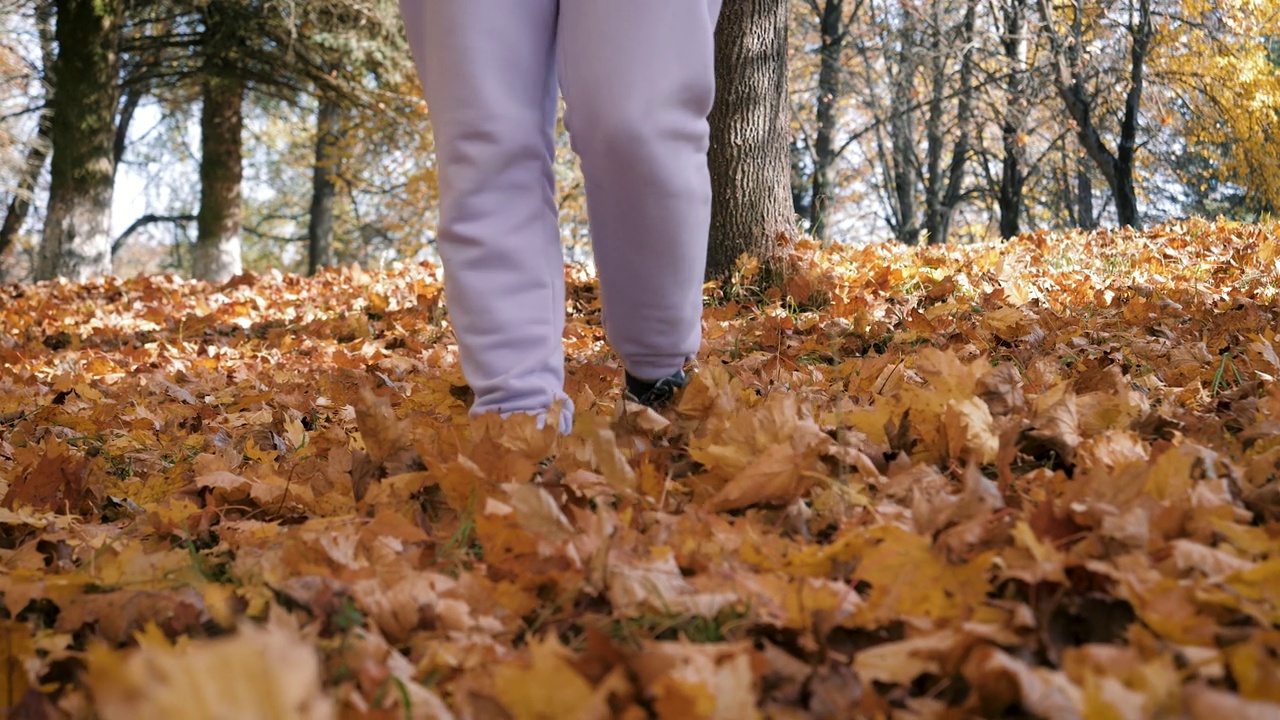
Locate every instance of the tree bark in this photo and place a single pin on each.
(217, 252)
(1084, 198)
(750, 167)
(323, 189)
(943, 187)
(77, 240)
(902, 169)
(832, 28)
(1013, 171)
(801, 182)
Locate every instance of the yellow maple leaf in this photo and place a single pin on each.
(546, 686)
(908, 579)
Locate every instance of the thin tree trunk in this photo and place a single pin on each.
(1126, 195)
(217, 252)
(1013, 171)
(801, 183)
(16, 214)
(20, 205)
(132, 98)
(323, 189)
(1117, 168)
(1065, 190)
(947, 196)
(934, 133)
(832, 28)
(750, 168)
(77, 240)
(903, 177)
(1084, 198)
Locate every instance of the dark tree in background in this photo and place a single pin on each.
(217, 251)
(833, 31)
(1013, 168)
(324, 190)
(77, 241)
(750, 133)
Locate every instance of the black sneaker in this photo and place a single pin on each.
(658, 393)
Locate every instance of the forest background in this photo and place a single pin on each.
(920, 121)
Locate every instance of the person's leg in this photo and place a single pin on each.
(488, 72)
(638, 79)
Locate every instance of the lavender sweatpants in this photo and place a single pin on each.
(638, 81)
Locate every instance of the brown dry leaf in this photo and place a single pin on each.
(379, 666)
(947, 374)
(935, 508)
(655, 585)
(901, 662)
(56, 483)
(1001, 389)
(384, 434)
(1000, 681)
(613, 466)
(1039, 561)
(508, 542)
(970, 431)
(1055, 429)
(1107, 698)
(401, 605)
(1169, 607)
(1213, 563)
(775, 477)
(538, 512)
(121, 613)
(267, 673)
(1207, 703)
(698, 682)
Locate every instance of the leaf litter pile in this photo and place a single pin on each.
(1039, 479)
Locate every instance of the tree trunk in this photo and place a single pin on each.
(132, 98)
(217, 252)
(77, 240)
(1117, 168)
(953, 191)
(801, 183)
(750, 168)
(832, 27)
(1084, 198)
(1013, 171)
(943, 185)
(1126, 195)
(903, 173)
(934, 132)
(16, 214)
(323, 189)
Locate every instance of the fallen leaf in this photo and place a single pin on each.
(258, 673)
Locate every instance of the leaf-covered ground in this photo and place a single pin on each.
(1039, 479)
